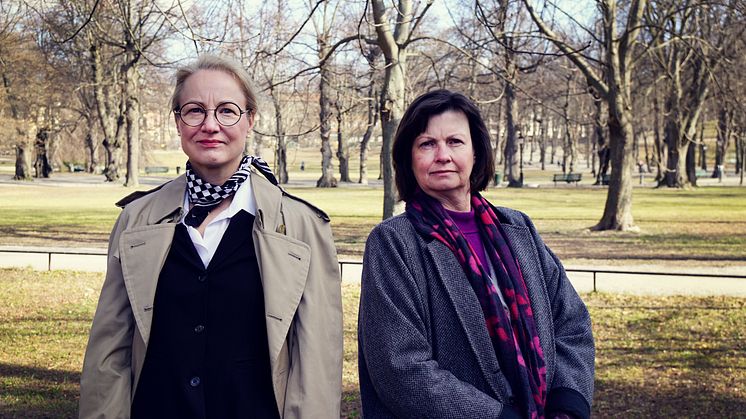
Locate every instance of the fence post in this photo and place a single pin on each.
(594, 281)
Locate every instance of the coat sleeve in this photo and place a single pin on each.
(399, 375)
(106, 381)
(315, 380)
(571, 389)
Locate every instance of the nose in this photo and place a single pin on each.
(442, 153)
(210, 124)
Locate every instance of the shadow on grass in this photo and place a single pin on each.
(652, 400)
(47, 235)
(33, 392)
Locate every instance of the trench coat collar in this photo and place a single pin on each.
(469, 312)
(169, 205)
(171, 199)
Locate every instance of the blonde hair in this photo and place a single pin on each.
(214, 62)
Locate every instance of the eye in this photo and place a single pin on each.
(192, 110)
(426, 144)
(228, 109)
(455, 141)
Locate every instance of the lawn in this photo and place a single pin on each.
(656, 356)
(706, 225)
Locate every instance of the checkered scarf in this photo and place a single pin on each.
(205, 197)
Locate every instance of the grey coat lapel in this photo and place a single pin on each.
(470, 315)
(524, 249)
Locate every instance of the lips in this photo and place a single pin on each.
(210, 143)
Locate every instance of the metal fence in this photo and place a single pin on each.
(76, 258)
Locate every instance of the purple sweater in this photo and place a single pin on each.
(467, 223)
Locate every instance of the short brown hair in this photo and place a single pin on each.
(414, 122)
(214, 62)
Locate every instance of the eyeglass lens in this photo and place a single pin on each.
(227, 114)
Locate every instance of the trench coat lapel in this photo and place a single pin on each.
(524, 249)
(283, 262)
(469, 314)
(143, 250)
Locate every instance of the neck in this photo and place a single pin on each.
(456, 203)
(216, 175)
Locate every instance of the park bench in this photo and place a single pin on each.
(156, 169)
(567, 177)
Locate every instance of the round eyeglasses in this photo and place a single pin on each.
(193, 114)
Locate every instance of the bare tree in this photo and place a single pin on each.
(689, 46)
(616, 90)
(394, 29)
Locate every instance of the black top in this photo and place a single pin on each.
(208, 355)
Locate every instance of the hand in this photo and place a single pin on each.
(561, 415)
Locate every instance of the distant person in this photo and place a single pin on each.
(464, 311)
(222, 296)
(302, 165)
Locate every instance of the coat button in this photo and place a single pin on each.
(202, 278)
(511, 400)
(194, 382)
(199, 328)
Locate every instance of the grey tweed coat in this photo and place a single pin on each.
(424, 350)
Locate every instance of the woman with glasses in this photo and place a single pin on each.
(222, 292)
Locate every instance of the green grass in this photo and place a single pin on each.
(704, 224)
(656, 356)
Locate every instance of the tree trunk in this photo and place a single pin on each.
(113, 138)
(512, 165)
(602, 146)
(618, 208)
(343, 151)
(724, 127)
(132, 118)
(42, 166)
(90, 146)
(281, 167)
(372, 121)
(22, 158)
(393, 47)
(327, 179)
(392, 109)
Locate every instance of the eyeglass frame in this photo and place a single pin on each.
(241, 112)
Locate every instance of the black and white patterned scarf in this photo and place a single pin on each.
(205, 197)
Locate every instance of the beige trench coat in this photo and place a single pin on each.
(302, 298)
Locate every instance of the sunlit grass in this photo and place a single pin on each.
(656, 356)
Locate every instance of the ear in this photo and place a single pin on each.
(252, 119)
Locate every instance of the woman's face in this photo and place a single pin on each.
(442, 159)
(213, 149)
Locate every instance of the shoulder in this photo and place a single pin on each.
(137, 195)
(513, 217)
(302, 207)
(395, 235)
(396, 226)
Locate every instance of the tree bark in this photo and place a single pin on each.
(327, 179)
(42, 165)
(132, 117)
(393, 46)
(281, 167)
(111, 124)
(343, 151)
(370, 128)
(22, 171)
